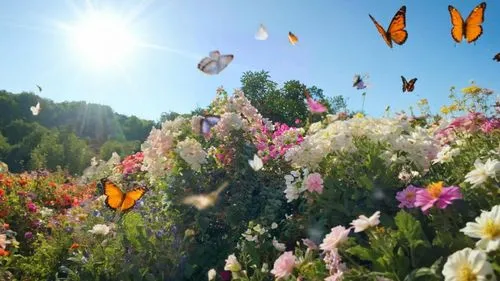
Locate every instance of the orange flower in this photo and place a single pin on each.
(52, 184)
(74, 246)
(6, 225)
(4, 253)
(22, 181)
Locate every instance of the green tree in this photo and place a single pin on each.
(122, 148)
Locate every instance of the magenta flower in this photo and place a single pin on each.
(489, 125)
(436, 195)
(314, 183)
(314, 106)
(407, 197)
(31, 207)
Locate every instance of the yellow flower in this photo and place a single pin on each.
(359, 115)
(472, 90)
(423, 102)
(445, 109)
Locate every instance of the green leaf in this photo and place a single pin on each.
(361, 252)
(411, 230)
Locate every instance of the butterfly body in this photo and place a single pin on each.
(470, 29)
(497, 57)
(35, 110)
(118, 200)
(215, 63)
(261, 33)
(207, 123)
(396, 31)
(292, 38)
(408, 86)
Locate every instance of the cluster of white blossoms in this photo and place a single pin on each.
(158, 145)
(294, 185)
(446, 154)
(192, 152)
(417, 143)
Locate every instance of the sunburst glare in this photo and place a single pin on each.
(103, 39)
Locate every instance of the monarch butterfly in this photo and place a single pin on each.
(408, 86)
(497, 57)
(118, 200)
(396, 31)
(207, 123)
(471, 29)
(215, 63)
(292, 38)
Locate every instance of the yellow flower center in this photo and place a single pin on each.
(410, 196)
(435, 189)
(465, 274)
(491, 230)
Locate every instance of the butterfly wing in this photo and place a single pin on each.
(405, 83)
(382, 32)
(473, 24)
(356, 80)
(497, 57)
(208, 122)
(214, 55)
(396, 30)
(292, 38)
(114, 194)
(208, 66)
(457, 22)
(261, 33)
(223, 62)
(132, 197)
(411, 85)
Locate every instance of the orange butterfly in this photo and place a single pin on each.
(471, 29)
(497, 57)
(408, 85)
(117, 200)
(396, 31)
(292, 38)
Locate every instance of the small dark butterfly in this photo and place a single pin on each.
(408, 86)
(358, 82)
(497, 57)
(207, 123)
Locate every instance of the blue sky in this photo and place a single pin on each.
(336, 40)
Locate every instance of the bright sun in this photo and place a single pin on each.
(103, 39)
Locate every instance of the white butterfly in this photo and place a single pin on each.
(203, 201)
(215, 63)
(261, 33)
(35, 109)
(256, 163)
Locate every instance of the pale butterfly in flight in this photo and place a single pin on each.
(256, 163)
(35, 109)
(215, 63)
(261, 33)
(203, 201)
(207, 123)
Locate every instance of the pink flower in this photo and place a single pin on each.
(335, 277)
(310, 244)
(337, 236)
(489, 125)
(314, 183)
(284, 265)
(436, 194)
(31, 207)
(297, 121)
(314, 106)
(407, 197)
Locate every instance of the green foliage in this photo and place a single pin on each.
(285, 104)
(122, 148)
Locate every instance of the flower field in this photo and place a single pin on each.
(349, 197)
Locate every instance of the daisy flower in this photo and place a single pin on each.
(486, 228)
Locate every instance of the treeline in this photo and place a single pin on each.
(69, 134)
(66, 134)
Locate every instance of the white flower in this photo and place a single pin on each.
(3, 241)
(274, 225)
(100, 229)
(259, 229)
(256, 163)
(446, 154)
(45, 212)
(232, 264)
(278, 246)
(211, 274)
(192, 152)
(467, 264)
(248, 236)
(487, 228)
(337, 236)
(363, 222)
(482, 172)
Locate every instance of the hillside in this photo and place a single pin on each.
(67, 134)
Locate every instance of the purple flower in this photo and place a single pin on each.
(407, 197)
(28, 235)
